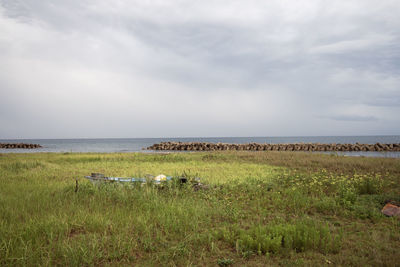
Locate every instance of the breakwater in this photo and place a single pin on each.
(19, 145)
(202, 146)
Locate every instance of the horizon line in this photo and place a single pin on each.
(194, 137)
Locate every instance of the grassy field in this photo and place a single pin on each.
(261, 208)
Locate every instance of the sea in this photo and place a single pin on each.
(123, 145)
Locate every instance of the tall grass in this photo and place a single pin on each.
(255, 211)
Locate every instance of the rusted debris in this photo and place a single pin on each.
(200, 186)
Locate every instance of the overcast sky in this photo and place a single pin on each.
(94, 68)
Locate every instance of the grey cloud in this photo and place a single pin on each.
(387, 101)
(354, 118)
(243, 68)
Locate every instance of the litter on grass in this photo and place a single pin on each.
(97, 178)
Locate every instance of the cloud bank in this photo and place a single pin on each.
(94, 68)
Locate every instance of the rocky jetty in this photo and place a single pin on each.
(19, 145)
(201, 146)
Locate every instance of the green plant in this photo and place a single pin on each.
(369, 185)
(275, 238)
(346, 195)
(225, 262)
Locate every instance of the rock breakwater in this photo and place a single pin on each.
(19, 145)
(201, 146)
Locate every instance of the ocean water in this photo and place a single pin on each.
(138, 144)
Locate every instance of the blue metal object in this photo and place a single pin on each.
(97, 179)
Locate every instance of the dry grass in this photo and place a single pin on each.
(314, 162)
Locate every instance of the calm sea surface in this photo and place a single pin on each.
(137, 144)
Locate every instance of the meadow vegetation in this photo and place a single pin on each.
(261, 208)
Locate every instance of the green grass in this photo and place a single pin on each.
(262, 208)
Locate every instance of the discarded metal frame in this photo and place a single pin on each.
(99, 177)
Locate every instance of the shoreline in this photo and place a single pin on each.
(349, 154)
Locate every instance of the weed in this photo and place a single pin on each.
(370, 185)
(277, 238)
(225, 262)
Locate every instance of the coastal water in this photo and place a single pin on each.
(138, 144)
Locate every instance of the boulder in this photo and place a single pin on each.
(391, 210)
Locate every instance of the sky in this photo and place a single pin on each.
(172, 68)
